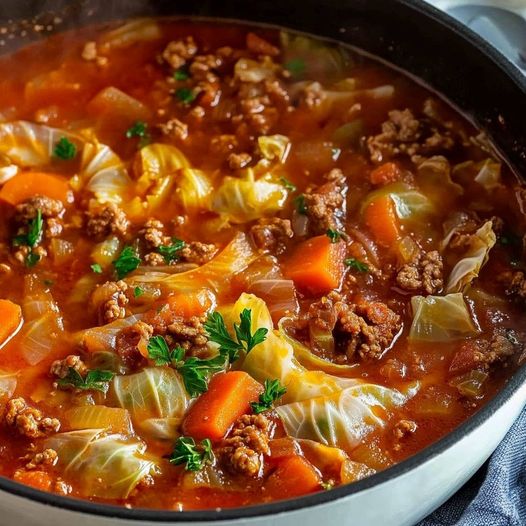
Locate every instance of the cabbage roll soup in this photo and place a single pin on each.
(240, 265)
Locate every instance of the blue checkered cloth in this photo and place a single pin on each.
(496, 495)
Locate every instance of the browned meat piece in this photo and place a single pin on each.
(110, 300)
(21, 254)
(90, 53)
(109, 219)
(312, 95)
(175, 128)
(515, 283)
(153, 234)
(48, 457)
(325, 205)
(177, 52)
(363, 328)
(404, 134)
(236, 161)
(60, 368)
(481, 354)
(189, 334)
(27, 420)
(47, 206)
(243, 449)
(127, 341)
(272, 234)
(197, 252)
(425, 273)
(404, 428)
(154, 259)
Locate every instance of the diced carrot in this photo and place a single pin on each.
(385, 173)
(27, 184)
(380, 216)
(293, 477)
(36, 479)
(228, 397)
(317, 265)
(10, 320)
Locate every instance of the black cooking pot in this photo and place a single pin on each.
(449, 58)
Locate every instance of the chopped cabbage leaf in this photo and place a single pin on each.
(274, 147)
(28, 145)
(193, 190)
(468, 268)
(489, 174)
(441, 318)
(8, 383)
(104, 466)
(342, 419)
(434, 176)
(246, 199)
(249, 70)
(156, 399)
(215, 275)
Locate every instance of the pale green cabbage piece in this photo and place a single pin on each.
(468, 268)
(342, 419)
(105, 466)
(156, 399)
(246, 198)
(274, 147)
(441, 318)
(193, 190)
(28, 144)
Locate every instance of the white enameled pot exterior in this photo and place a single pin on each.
(399, 501)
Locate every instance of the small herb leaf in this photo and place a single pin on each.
(194, 456)
(96, 268)
(273, 391)
(95, 379)
(170, 253)
(65, 149)
(126, 262)
(354, 264)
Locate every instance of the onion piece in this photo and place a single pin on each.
(278, 294)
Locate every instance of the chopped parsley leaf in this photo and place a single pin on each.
(137, 291)
(185, 95)
(139, 129)
(296, 66)
(194, 456)
(96, 268)
(273, 391)
(34, 232)
(126, 262)
(170, 253)
(32, 259)
(95, 379)
(356, 265)
(291, 187)
(181, 74)
(245, 341)
(335, 235)
(299, 203)
(65, 149)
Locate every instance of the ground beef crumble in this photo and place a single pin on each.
(325, 204)
(178, 52)
(189, 334)
(197, 252)
(110, 301)
(29, 421)
(243, 449)
(424, 273)
(515, 283)
(48, 457)
(153, 234)
(60, 368)
(271, 234)
(109, 219)
(363, 328)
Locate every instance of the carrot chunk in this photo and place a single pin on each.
(36, 479)
(381, 219)
(385, 173)
(28, 184)
(228, 397)
(317, 265)
(293, 477)
(10, 320)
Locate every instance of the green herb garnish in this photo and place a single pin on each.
(96, 268)
(296, 66)
(245, 341)
(356, 265)
(194, 456)
(137, 291)
(32, 259)
(170, 253)
(194, 371)
(65, 149)
(185, 95)
(126, 262)
(299, 203)
(95, 379)
(327, 485)
(139, 129)
(273, 391)
(335, 235)
(181, 74)
(34, 232)
(291, 187)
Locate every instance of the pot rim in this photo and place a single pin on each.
(340, 492)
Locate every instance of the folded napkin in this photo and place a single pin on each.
(496, 494)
